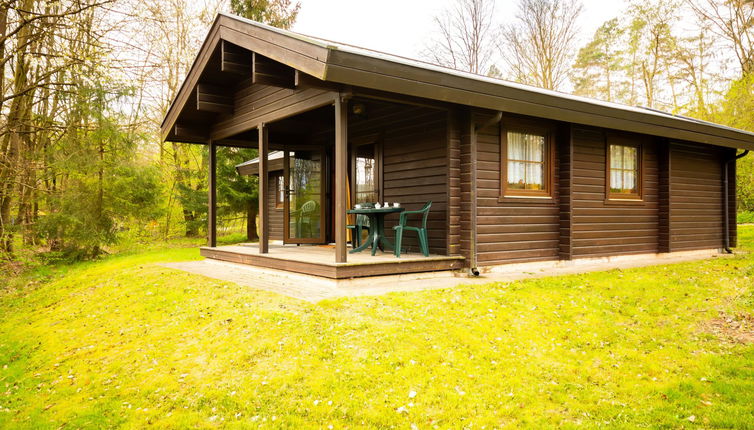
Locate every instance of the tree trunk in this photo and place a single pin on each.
(16, 126)
(6, 191)
(191, 228)
(5, 148)
(26, 165)
(251, 222)
(183, 180)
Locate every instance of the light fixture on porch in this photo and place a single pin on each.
(358, 109)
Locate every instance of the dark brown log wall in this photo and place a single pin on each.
(602, 227)
(583, 222)
(454, 184)
(696, 196)
(663, 196)
(565, 182)
(732, 202)
(427, 155)
(466, 176)
(511, 230)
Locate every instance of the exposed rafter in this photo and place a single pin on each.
(269, 72)
(213, 98)
(234, 59)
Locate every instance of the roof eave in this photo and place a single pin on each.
(300, 54)
(179, 100)
(358, 70)
(382, 72)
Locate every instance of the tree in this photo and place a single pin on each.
(738, 111)
(277, 13)
(237, 194)
(164, 36)
(732, 20)
(41, 46)
(695, 55)
(539, 46)
(168, 42)
(68, 160)
(599, 61)
(465, 41)
(652, 47)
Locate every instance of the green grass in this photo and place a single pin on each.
(746, 217)
(124, 342)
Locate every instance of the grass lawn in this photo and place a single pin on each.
(123, 342)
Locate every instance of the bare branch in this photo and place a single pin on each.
(465, 37)
(539, 47)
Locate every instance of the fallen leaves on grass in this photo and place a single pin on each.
(738, 328)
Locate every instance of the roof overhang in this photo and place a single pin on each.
(251, 167)
(348, 65)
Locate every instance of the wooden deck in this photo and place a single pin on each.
(320, 260)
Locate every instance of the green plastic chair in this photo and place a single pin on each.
(304, 217)
(421, 231)
(362, 223)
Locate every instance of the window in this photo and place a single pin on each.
(279, 191)
(526, 162)
(365, 174)
(624, 171)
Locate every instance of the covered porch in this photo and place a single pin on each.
(357, 149)
(254, 87)
(340, 145)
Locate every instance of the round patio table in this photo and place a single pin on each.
(376, 228)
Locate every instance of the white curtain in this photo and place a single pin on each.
(631, 166)
(624, 168)
(526, 155)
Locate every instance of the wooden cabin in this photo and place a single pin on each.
(516, 174)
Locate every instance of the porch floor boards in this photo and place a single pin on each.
(320, 260)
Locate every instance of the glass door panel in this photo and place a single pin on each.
(365, 174)
(364, 179)
(304, 196)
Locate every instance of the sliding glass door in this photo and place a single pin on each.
(304, 214)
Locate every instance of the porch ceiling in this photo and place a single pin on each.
(284, 131)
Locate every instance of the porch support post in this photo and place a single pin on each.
(264, 225)
(341, 165)
(212, 197)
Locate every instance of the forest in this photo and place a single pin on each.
(84, 85)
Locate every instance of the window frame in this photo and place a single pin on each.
(526, 127)
(638, 196)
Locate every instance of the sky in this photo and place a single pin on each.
(403, 27)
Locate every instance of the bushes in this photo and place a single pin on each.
(87, 214)
(745, 183)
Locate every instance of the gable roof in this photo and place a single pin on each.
(350, 65)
